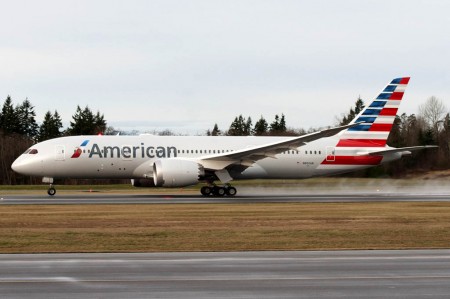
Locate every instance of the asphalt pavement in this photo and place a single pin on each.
(296, 274)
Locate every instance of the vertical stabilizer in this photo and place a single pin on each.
(377, 118)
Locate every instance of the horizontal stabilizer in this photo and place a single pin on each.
(402, 149)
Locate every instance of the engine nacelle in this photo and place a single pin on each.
(176, 173)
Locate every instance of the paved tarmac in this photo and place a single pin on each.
(104, 198)
(307, 274)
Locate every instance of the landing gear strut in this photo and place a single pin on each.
(218, 190)
(51, 191)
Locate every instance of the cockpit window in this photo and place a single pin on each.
(33, 151)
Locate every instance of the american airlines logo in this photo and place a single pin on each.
(79, 149)
(126, 151)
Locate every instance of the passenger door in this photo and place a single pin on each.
(60, 153)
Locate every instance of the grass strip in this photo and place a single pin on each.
(223, 227)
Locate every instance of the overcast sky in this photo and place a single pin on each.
(185, 65)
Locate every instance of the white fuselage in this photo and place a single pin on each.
(132, 157)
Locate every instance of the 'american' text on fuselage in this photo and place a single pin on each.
(132, 152)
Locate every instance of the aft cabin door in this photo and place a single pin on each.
(60, 154)
(331, 153)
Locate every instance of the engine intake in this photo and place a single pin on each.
(176, 173)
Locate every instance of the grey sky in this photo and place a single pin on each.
(185, 65)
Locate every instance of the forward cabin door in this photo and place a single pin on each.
(60, 153)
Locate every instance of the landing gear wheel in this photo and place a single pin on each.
(206, 190)
(219, 191)
(51, 191)
(231, 191)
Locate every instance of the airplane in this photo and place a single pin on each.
(179, 161)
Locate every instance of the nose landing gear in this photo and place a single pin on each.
(51, 191)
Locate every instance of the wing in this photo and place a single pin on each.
(248, 156)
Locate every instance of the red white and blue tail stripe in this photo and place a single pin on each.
(364, 145)
(377, 118)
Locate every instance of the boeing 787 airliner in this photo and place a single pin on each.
(178, 161)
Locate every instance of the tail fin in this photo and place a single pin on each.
(377, 118)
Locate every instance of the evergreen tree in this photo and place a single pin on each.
(9, 122)
(278, 126)
(426, 137)
(248, 127)
(215, 131)
(447, 127)
(282, 124)
(275, 124)
(234, 127)
(395, 137)
(240, 126)
(261, 127)
(86, 123)
(26, 120)
(82, 122)
(100, 123)
(50, 127)
(359, 106)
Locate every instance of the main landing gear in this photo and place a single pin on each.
(220, 191)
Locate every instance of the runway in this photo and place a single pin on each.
(105, 198)
(308, 274)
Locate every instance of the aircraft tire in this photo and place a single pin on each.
(231, 191)
(219, 191)
(206, 190)
(51, 191)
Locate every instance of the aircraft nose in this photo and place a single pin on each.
(18, 165)
(23, 166)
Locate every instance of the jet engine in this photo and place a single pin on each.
(176, 173)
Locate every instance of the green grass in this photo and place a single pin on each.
(223, 227)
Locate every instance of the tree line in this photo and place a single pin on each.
(242, 126)
(19, 130)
